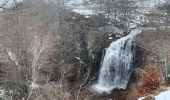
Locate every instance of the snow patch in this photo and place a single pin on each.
(83, 7)
(2, 92)
(34, 85)
(162, 96)
(84, 11)
(150, 3)
(12, 56)
(9, 3)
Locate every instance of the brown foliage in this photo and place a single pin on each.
(151, 79)
(133, 94)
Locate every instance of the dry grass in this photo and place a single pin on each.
(133, 94)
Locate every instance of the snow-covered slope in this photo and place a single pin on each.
(91, 7)
(2, 92)
(162, 96)
(88, 6)
(150, 3)
(84, 7)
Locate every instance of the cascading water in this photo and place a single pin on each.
(116, 66)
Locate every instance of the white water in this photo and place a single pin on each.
(117, 64)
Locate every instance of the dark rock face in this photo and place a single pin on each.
(143, 58)
(139, 62)
(139, 58)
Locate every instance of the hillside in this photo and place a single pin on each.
(84, 49)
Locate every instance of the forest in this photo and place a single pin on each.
(84, 50)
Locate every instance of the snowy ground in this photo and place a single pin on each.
(84, 7)
(91, 7)
(162, 96)
(8, 3)
(88, 7)
(2, 92)
(150, 3)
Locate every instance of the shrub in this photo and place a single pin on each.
(133, 94)
(151, 79)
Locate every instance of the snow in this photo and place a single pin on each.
(91, 7)
(83, 7)
(2, 92)
(12, 56)
(84, 12)
(73, 3)
(162, 96)
(9, 4)
(115, 30)
(34, 85)
(150, 3)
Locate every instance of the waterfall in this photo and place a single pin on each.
(116, 66)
